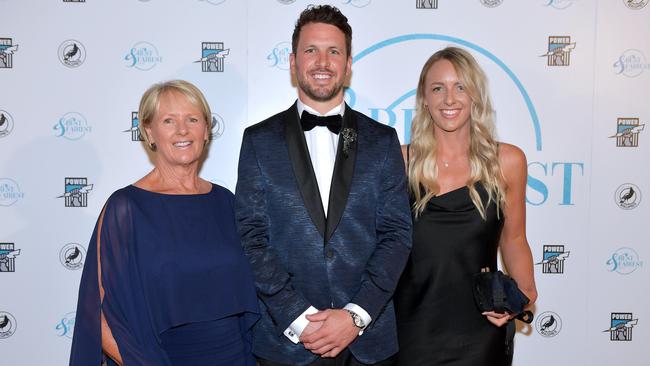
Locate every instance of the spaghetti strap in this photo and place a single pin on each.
(408, 156)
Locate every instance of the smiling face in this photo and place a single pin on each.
(446, 98)
(179, 130)
(320, 65)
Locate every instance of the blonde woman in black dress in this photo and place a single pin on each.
(468, 200)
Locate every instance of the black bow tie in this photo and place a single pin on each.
(333, 123)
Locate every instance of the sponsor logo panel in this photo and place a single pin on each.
(627, 196)
(7, 50)
(624, 261)
(553, 259)
(65, 326)
(8, 254)
(548, 324)
(631, 63)
(620, 327)
(213, 56)
(426, 4)
(72, 126)
(76, 192)
(72, 256)
(635, 4)
(6, 123)
(142, 56)
(8, 325)
(9, 192)
(559, 51)
(72, 53)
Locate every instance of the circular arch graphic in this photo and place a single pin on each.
(475, 47)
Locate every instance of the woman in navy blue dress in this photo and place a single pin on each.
(166, 281)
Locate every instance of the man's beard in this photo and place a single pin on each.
(321, 94)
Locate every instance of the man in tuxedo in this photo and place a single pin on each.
(323, 213)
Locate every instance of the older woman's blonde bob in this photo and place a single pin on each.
(150, 102)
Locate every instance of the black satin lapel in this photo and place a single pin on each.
(342, 175)
(302, 168)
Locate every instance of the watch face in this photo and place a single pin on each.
(358, 322)
(356, 319)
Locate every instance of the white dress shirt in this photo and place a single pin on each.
(322, 145)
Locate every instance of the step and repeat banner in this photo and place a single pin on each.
(570, 81)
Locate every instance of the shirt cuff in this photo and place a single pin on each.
(295, 329)
(361, 312)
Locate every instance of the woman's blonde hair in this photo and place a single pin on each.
(150, 102)
(483, 159)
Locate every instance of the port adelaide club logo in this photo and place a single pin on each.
(553, 259)
(620, 327)
(627, 132)
(559, 51)
(76, 192)
(426, 4)
(213, 55)
(8, 254)
(135, 130)
(7, 50)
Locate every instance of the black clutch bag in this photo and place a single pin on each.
(498, 292)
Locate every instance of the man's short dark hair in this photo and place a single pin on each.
(323, 14)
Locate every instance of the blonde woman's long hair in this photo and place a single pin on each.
(483, 159)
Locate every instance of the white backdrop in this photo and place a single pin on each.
(72, 73)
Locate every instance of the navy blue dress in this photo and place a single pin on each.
(178, 289)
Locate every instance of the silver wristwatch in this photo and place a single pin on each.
(356, 319)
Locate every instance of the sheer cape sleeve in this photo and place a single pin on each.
(124, 305)
(164, 261)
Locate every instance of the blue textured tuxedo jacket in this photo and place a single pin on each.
(301, 258)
